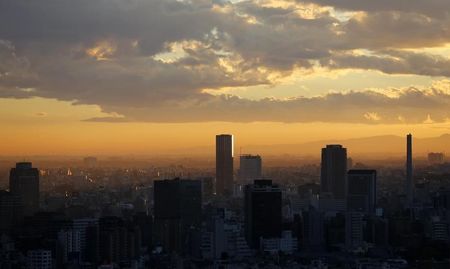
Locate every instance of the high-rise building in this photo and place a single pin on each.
(312, 232)
(334, 171)
(362, 191)
(250, 167)
(354, 233)
(118, 240)
(81, 226)
(69, 245)
(10, 210)
(177, 209)
(224, 164)
(263, 211)
(24, 183)
(409, 171)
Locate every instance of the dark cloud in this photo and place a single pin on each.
(409, 105)
(108, 53)
(429, 7)
(393, 62)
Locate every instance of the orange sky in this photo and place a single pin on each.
(62, 131)
(169, 75)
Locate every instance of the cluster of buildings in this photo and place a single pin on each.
(230, 220)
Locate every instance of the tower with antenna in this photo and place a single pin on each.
(409, 171)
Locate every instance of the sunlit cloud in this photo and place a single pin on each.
(102, 51)
(41, 114)
(183, 61)
(373, 116)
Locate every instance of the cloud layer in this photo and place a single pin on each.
(152, 60)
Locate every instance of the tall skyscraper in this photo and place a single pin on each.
(24, 183)
(224, 164)
(10, 210)
(362, 192)
(250, 167)
(334, 171)
(409, 171)
(263, 211)
(178, 212)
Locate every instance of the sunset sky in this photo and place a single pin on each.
(145, 76)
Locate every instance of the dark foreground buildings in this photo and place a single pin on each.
(263, 202)
(362, 191)
(178, 209)
(24, 183)
(132, 218)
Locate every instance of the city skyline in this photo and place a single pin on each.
(224, 134)
(92, 215)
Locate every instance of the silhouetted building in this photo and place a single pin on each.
(354, 229)
(10, 210)
(224, 164)
(69, 246)
(39, 259)
(335, 230)
(436, 157)
(313, 234)
(82, 226)
(308, 189)
(250, 167)
(207, 187)
(376, 231)
(24, 183)
(442, 199)
(119, 242)
(362, 191)
(90, 161)
(263, 211)
(91, 252)
(178, 208)
(334, 170)
(145, 224)
(409, 171)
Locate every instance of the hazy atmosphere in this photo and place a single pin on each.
(112, 77)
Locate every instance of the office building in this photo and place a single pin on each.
(263, 211)
(39, 259)
(354, 230)
(177, 211)
(436, 157)
(250, 167)
(90, 162)
(287, 244)
(24, 183)
(362, 191)
(118, 241)
(312, 232)
(208, 189)
(334, 171)
(81, 226)
(224, 164)
(409, 171)
(69, 242)
(10, 210)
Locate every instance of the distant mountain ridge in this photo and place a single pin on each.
(389, 145)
